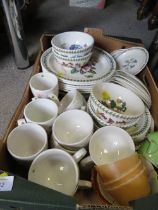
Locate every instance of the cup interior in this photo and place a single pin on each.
(72, 127)
(55, 169)
(26, 141)
(118, 99)
(109, 144)
(43, 81)
(41, 110)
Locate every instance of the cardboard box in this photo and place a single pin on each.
(99, 4)
(90, 199)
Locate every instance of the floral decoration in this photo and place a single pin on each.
(117, 105)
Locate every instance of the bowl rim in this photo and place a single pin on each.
(110, 111)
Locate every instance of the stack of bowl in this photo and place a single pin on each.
(112, 104)
(72, 48)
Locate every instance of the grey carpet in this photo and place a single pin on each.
(118, 19)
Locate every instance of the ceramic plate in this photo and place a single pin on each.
(101, 66)
(116, 53)
(133, 60)
(140, 130)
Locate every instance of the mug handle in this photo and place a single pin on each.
(54, 98)
(21, 121)
(84, 184)
(79, 154)
(87, 163)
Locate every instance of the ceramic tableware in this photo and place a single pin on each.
(100, 67)
(72, 43)
(41, 111)
(72, 129)
(58, 170)
(72, 100)
(43, 85)
(26, 141)
(109, 144)
(116, 102)
(133, 60)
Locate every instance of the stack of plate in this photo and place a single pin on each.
(101, 67)
(131, 82)
(132, 60)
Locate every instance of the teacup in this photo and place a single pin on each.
(26, 141)
(73, 129)
(109, 144)
(41, 111)
(72, 100)
(44, 85)
(149, 149)
(58, 170)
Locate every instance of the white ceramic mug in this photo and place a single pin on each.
(72, 100)
(58, 170)
(26, 141)
(44, 84)
(41, 111)
(73, 129)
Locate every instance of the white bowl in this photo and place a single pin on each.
(119, 102)
(72, 42)
(109, 144)
(72, 129)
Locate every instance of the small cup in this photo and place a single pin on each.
(72, 100)
(41, 111)
(58, 170)
(42, 85)
(72, 129)
(26, 141)
(149, 149)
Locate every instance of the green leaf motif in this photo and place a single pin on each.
(73, 71)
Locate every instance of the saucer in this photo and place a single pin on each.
(133, 60)
(100, 67)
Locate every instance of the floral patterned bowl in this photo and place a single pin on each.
(72, 42)
(116, 102)
(73, 62)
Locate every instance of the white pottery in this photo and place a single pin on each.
(26, 141)
(41, 111)
(72, 129)
(133, 60)
(58, 170)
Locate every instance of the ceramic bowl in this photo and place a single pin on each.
(72, 129)
(109, 144)
(117, 102)
(73, 62)
(73, 42)
(103, 119)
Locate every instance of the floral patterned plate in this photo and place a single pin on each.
(133, 60)
(100, 67)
